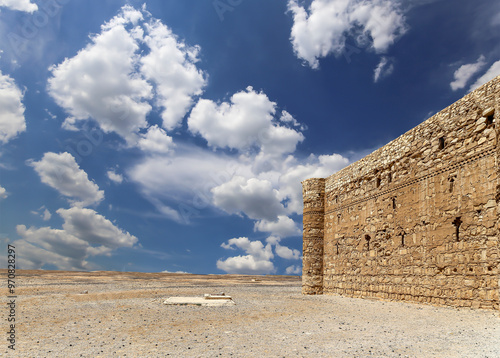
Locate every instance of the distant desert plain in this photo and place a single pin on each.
(122, 314)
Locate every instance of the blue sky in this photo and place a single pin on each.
(173, 135)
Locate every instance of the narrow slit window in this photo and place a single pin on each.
(403, 239)
(367, 242)
(394, 203)
(441, 143)
(451, 183)
(378, 182)
(457, 222)
(490, 119)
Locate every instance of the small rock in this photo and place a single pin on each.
(480, 127)
(488, 112)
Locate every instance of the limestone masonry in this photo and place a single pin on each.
(416, 220)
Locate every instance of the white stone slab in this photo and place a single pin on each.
(200, 301)
(221, 296)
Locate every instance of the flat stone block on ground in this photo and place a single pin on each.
(200, 301)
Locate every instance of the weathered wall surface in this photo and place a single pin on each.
(418, 219)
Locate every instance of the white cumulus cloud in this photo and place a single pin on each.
(324, 27)
(132, 63)
(256, 198)
(245, 265)
(85, 233)
(245, 122)
(171, 66)
(3, 193)
(19, 5)
(35, 256)
(166, 271)
(172, 183)
(465, 72)
(383, 69)
(43, 212)
(101, 81)
(156, 140)
(257, 261)
(61, 172)
(293, 270)
(258, 177)
(114, 177)
(94, 228)
(57, 241)
(287, 253)
(490, 74)
(254, 248)
(12, 120)
(231, 183)
(46, 215)
(283, 227)
(290, 186)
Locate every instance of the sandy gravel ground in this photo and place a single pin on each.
(123, 315)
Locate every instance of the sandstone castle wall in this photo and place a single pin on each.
(416, 220)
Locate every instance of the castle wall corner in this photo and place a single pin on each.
(418, 219)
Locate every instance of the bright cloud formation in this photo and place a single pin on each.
(156, 140)
(257, 261)
(287, 253)
(100, 81)
(3, 193)
(37, 244)
(258, 258)
(112, 82)
(173, 185)
(256, 198)
(465, 72)
(171, 67)
(43, 213)
(94, 228)
(282, 227)
(114, 177)
(136, 66)
(85, 233)
(12, 120)
(19, 5)
(490, 74)
(384, 69)
(231, 184)
(61, 172)
(245, 122)
(296, 171)
(324, 28)
(263, 187)
(293, 270)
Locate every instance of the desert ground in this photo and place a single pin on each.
(121, 314)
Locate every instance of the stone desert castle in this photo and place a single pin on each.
(416, 220)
